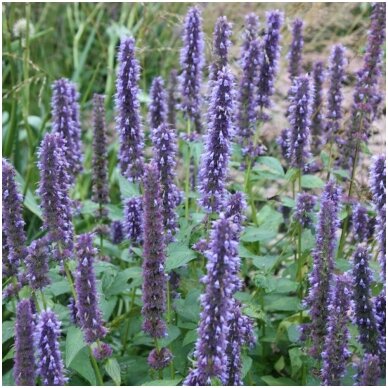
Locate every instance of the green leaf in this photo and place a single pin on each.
(246, 365)
(74, 344)
(190, 337)
(82, 365)
(59, 288)
(89, 207)
(279, 302)
(157, 383)
(127, 188)
(261, 234)
(270, 380)
(178, 255)
(312, 182)
(272, 163)
(266, 263)
(29, 200)
(173, 333)
(112, 367)
(8, 330)
(296, 360)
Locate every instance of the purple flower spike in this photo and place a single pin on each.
(89, 313)
(368, 371)
(50, 364)
(234, 209)
(378, 188)
(165, 149)
(128, 121)
(133, 223)
(73, 311)
(360, 221)
(117, 232)
(65, 112)
(251, 30)
(100, 154)
(13, 223)
(102, 351)
(214, 168)
(53, 192)
(37, 264)
(158, 105)
(304, 205)
(380, 307)
(172, 99)
(159, 359)
(364, 310)
(24, 368)
(337, 63)
(335, 351)
(221, 44)
(366, 97)
(299, 118)
(240, 334)
(247, 104)
(222, 266)
(317, 127)
(192, 61)
(270, 59)
(283, 143)
(295, 54)
(323, 262)
(154, 277)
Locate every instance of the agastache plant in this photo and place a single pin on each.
(305, 203)
(369, 371)
(117, 232)
(335, 350)
(336, 75)
(380, 308)
(317, 124)
(165, 150)
(158, 105)
(89, 314)
(128, 120)
(65, 122)
(53, 192)
(323, 263)
(24, 359)
(295, 54)
(360, 222)
(37, 264)
(192, 61)
(270, 59)
(154, 277)
(100, 154)
(13, 223)
(366, 97)
(217, 302)
(133, 221)
(214, 165)
(251, 31)
(50, 363)
(364, 309)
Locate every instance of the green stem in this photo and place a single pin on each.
(43, 300)
(97, 372)
(128, 321)
(70, 280)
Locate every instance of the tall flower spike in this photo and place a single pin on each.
(172, 100)
(24, 367)
(295, 54)
(380, 307)
(364, 311)
(133, 222)
(305, 203)
(221, 44)
(37, 264)
(270, 59)
(89, 314)
(368, 371)
(53, 193)
(240, 334)
(192, 61)
(247, 104)
(217, 303)
(63, 114)
(100, 154)
(323, 262)
(378, 188)
(251, 30)
(165, 149)
(50, 363)
(335, 351)
(214, 164)
(154, 277)
(366, 97)
(13, 223)
(299, 118)
(317, 126)
(116, 232)
(337, 63)
(234, 209)
(360, 222)
(158, 105)
(128, 121)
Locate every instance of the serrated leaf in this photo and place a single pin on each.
(246, 365)
(266, 263)
(7, 330)
(312, 182)
(127, 189)
(261, 234)
(178, 255)
(82, 365)
(172, 334)
(279, 302)
(270, 380)
(29, 200)
(74, 344)
(112, 367)
(157, 383)
(272, 163)
(190, 337)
